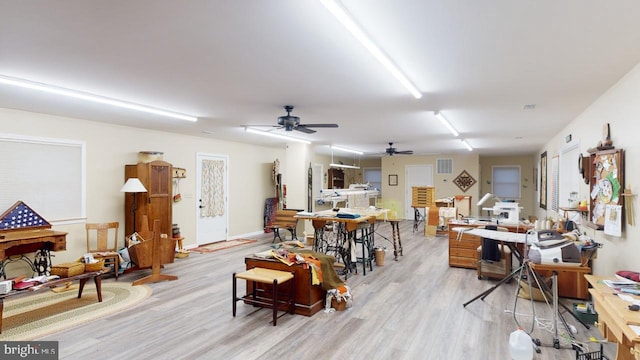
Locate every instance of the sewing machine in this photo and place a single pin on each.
(357, 196)
(509, 212)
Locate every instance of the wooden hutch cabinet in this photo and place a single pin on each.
(336, 178)
(156, 203)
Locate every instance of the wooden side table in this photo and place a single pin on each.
(179, 242)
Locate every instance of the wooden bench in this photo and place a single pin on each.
(83, 278)
(284, 219)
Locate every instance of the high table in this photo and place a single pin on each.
(347, 228)
(342, 246)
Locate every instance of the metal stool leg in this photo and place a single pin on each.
(235, 298)
(275, 302)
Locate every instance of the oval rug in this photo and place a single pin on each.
(32, 317)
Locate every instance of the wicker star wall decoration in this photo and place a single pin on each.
(464, 181)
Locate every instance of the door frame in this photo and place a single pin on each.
(408, 210)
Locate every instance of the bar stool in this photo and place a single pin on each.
(264, 297)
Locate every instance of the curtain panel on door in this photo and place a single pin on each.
(212, 188)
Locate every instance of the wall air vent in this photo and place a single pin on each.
(444, 166)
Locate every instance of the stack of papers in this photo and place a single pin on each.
(620, 283)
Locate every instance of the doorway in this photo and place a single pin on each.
(415, 175)
(212, 206)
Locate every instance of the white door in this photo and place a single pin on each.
(415, 175)
(212, 206)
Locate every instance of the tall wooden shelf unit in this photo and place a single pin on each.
(156, 203)
(423, 196)
(336, 178)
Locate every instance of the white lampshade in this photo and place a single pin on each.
(133, 185)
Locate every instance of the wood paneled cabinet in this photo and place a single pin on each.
(571, 281)
(463, 249)
(336, 179)
(423, 196)
(156, 203)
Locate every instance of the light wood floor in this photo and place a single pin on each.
(406, 309)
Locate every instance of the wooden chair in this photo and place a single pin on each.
(284, 219)
(102, 242)
(494, 269)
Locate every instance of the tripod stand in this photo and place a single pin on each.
(525, 271)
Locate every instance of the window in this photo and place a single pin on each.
(506, 182)
(373, 177)
(26, 160)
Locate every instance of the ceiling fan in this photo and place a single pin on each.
(290, 122)
(392, 151)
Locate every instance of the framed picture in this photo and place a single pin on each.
(393, 180)
(543, 180)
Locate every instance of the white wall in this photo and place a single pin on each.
(620, 107)
(110, 147)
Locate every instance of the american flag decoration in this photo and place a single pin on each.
(21, 216)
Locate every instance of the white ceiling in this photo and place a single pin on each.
(237, 62)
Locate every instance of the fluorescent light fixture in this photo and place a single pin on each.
(333, 147)
(467, 144)
(344, 18)
(91, 97)
(274, 135)
(445, 122)
(344, 166)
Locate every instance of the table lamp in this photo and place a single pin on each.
(133, 185)
(488, 196)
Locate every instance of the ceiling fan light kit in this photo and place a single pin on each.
(392, 151)
(51, 89)
(290, 122)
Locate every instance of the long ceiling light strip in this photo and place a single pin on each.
(277, 136)
(446, 123)
(333, 147)
(466, 144)
(27, 84)
(344, 18)
(344, 166)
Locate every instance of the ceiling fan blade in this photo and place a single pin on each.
(406, 152)
(303, 128)
(320, 125)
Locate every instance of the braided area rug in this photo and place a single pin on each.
(31, 317)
